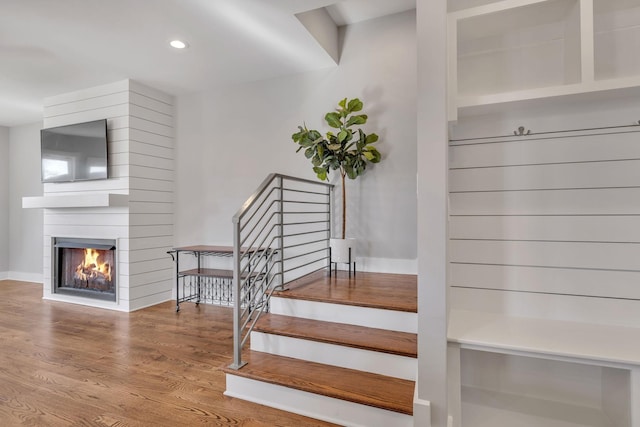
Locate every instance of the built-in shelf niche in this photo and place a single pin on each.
(518, 51)
(616, 38)
(528, 47)
(512, 390)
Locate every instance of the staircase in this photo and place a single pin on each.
(336, 348)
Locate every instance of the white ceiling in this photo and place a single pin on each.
(48, 47)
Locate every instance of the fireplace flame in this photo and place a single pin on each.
(91, 268)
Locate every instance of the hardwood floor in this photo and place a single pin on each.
(69, 365)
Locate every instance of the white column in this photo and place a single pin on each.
(432, 209)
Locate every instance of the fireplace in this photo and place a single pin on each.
(85, 268)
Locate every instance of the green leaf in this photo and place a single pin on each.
(309, 152)
(333, 119)
(334, 147)
(356, 120)
(369, 155)
(343, 103)
(355, 105)
(376, 154)
(342, 135)
(371, 138)
(321, 173)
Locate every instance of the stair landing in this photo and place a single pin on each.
(374, 290)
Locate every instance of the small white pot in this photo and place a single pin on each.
(340, 250)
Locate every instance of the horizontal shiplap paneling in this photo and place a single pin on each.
(586, 228)
(151, 103)
(607, 201)
(151, 169)
(154, 276)
(140, 134)
(151, 115)
(145, 230)
(97, 103)
(151, 219)
(144, 148)
(152, 173)
(611, 256)
(149, 92)
(88, 93)
(151, 138)
(568, 281)
(151, 208)
(610, 174)
(151, 127)
(556, 213)
(535, 150)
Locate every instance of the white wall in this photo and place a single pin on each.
(228, 140)
(25, 235)
(4, 202)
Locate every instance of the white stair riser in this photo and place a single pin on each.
(353, 315)
(331, 354)
(313, 405)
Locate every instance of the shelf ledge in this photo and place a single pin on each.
(554, 339)
(97, 200)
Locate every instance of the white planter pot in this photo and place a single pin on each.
(340, 250)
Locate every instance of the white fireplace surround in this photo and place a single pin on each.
(134, 206)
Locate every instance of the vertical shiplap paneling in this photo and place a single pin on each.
(151, 172)
(555, 213)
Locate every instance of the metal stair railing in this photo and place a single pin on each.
(280, 234)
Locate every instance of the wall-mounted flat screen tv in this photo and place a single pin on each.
(75, 152)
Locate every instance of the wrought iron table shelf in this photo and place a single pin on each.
(201, 284)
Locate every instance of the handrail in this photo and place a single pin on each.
(265, 184)
(262, 262)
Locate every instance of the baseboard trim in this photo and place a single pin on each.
(384, 265)
(422, 411)
(25, 277)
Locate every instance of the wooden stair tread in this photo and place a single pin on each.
(374, 290)
(393, 394)
(392, 342)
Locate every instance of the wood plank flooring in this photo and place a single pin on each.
(69, 365)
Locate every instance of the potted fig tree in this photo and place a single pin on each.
(347, 149)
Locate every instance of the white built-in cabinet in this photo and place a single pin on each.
(513, 51)
(511, 364)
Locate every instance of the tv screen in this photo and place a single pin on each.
(75, 152)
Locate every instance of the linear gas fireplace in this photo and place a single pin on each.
(85, 268)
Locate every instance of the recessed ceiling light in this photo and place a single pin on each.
(178, 44)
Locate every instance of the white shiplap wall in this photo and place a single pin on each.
(140, 148)
(550, 222)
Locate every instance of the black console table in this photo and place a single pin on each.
(207, 285)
